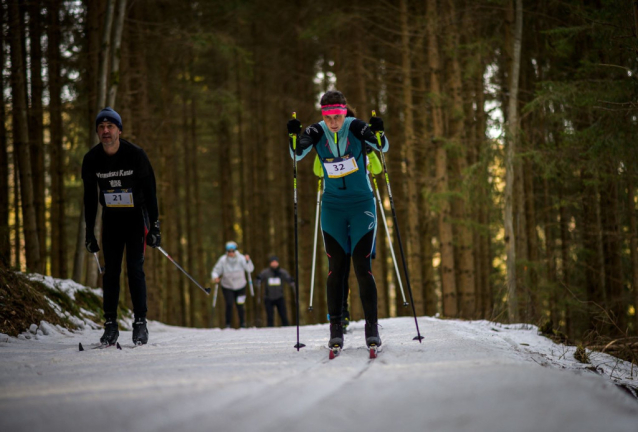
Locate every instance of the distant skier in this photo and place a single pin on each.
(348, 204)
(119, 175)
(274, 277)
(230, 270)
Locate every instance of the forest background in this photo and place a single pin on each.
(511, 123)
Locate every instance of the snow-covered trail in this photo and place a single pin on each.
(463, 377)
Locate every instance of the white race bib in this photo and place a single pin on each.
(118, 198)
(274, 281)
(340, 167)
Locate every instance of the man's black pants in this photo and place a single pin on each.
(120, 231)
(280, 303)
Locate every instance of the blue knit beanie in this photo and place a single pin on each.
(109, 114)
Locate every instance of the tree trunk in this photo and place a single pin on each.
(412, 237)
(633, 243)
(92, 273)
(465, 266)
(446, 240)
(565, 259)
(36, 128)
(512, 140)
(106, 96)
(612, 250)
(201, 263)
(116, 53)
(58, 220)
(5, 231)
(550, 255)
(21, 141)
(17, 246)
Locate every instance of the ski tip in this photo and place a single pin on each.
(373, 352)
(117, 344)
(207, 290)
(418, 337)
(331, 356)
(81, 347)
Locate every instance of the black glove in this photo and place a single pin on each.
(154, 237)
(294, 127)
(310, 137)
(91, 243)
(376, 125)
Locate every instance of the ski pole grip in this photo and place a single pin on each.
(374, 114)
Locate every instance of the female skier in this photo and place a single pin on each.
(348, 208)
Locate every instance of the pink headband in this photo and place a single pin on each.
(334, 109)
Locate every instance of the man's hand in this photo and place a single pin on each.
(154, 237)
(216, 280)
(91, 244)
(247, 257)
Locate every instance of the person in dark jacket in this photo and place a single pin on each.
(118, 174)
(274, 277)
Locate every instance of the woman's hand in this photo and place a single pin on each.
(294, 127)
(376, 125)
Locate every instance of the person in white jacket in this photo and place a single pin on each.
(230, 270)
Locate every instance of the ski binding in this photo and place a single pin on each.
(334, 352)
(374, 350)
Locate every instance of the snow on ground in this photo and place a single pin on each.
(465, 376)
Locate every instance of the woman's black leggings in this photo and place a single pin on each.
(338, 265)
(237, 297)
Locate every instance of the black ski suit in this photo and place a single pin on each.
(273, 294)
(124, 183)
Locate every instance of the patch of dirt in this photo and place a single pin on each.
(22, 303)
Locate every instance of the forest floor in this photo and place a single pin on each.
(465, 376)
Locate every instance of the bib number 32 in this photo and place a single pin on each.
(340, 167)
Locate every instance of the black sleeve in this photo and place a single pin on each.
(90, 196)
(309, 137)
(287, 277)
(362, 131)
(149, 188)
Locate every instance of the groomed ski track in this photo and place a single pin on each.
(463, 377)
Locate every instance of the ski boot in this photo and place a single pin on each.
(345, 320)
(336, 339)
(373, 341)
(111, 333)
(140, 332)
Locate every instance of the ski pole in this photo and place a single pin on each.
(206, 290)
(387, 231)
(97, 260)
(215, 295)
(396, 226)
(250, 282)
(294, 167)
(314, 249)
